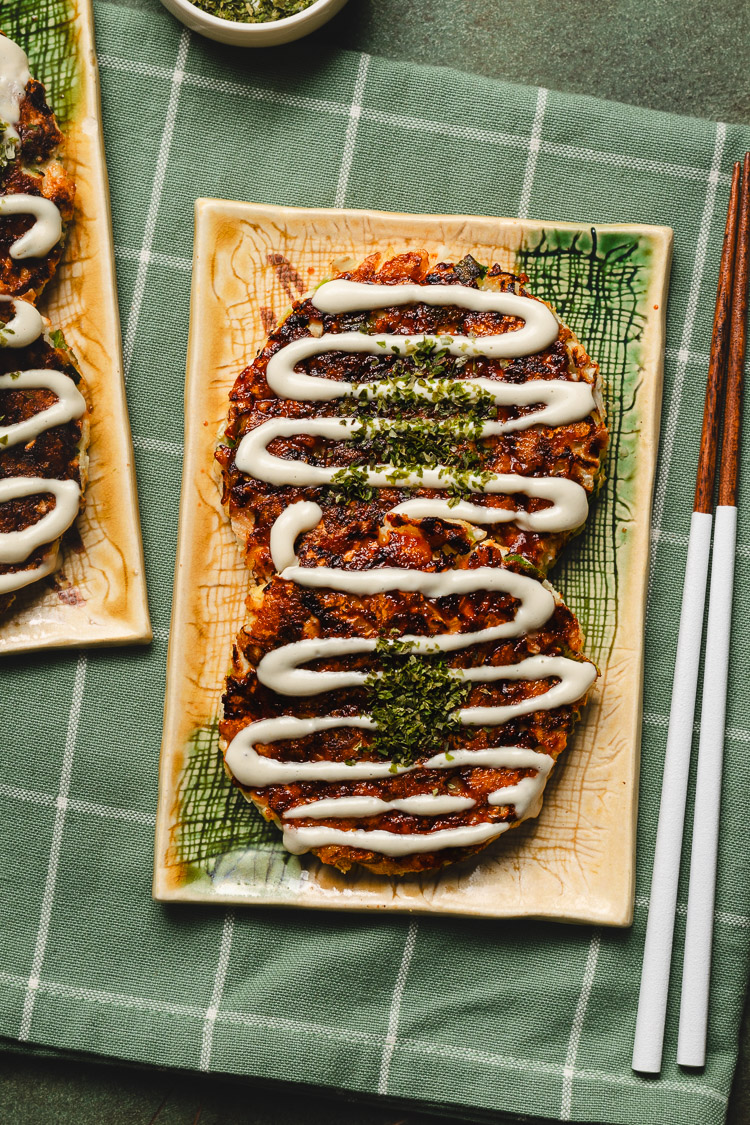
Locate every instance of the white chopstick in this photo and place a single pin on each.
(696, 969)
(657, 953)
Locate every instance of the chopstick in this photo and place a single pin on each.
(657, 952)
(696, 969)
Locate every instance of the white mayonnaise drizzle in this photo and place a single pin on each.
(563, 401)
(298, 840)
(69, 406)
(15, 546)
(520, 796)
(46, 231)
(17, 579)
(420, 804)
(304, 515)
(14, 74)
(25, 326)
(23, 329)
(465, 512)
(537, 602)
(539, 331)
(280, 670)
(257, 771)
(569, 500)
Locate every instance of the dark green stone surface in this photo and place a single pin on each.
(676, 55)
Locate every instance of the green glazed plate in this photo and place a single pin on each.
(576, 861)
(98, 597)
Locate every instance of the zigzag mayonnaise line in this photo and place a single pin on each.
(561, 402)
(16, 546)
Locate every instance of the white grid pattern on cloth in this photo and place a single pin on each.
(531, 160)
(347, 1035)
(352, 126)
(50, 883)
(176, 79)
(171, 261)
(212, 1011)
(676, 540)
(725, 917)
(734, 734)
(576, 1027)
(420, 124)
(394, 1014)
(112, 812)
(157, 445)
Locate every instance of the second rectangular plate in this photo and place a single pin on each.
(98, 597)
(576, 861)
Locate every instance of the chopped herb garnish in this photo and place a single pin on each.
(351, 484)
(57, 339)
(252, 11)
(414, 702)
(7, 145)
(415, 444)
(521, 561)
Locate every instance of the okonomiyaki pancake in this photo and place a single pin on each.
(402, 718)
(44, 433)
(455, 395)
(36, 193)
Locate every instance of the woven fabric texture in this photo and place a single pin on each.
(477, 1018)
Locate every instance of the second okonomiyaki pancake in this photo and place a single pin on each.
(421, 755)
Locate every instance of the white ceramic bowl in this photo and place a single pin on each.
(254, 34)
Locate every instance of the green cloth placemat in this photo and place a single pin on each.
(520, 1018)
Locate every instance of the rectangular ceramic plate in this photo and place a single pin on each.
(574, 862)
(99, 594)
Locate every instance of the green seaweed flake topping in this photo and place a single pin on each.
(405, 447)
(449, 433)
(425, 368)
(415, 444)
(414, 701)
(252, 11)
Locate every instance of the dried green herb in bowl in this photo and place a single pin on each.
(252, 11)
(253, 23)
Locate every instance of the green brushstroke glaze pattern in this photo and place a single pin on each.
(46, 31)
(212, 816)
(599, 284)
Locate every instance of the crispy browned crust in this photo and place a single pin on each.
(575, 451)
(354, 535)
(56, 454)
(33, 171)
(286, 613)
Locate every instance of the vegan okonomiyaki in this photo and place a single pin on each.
(402, 463)
(44, 426)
